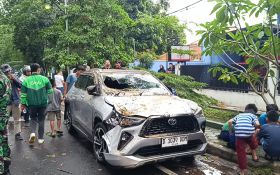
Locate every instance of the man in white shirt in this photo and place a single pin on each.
(59, 81)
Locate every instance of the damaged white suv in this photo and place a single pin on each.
(133, 119)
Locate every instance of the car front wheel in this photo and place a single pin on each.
(99, 144)
(68, 121)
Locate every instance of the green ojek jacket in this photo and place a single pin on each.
(35, 90)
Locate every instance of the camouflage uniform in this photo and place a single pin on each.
(5, 92)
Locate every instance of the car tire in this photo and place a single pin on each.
(99, 144)
(68, 121)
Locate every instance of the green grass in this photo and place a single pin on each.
(218, 115)
(261, 171)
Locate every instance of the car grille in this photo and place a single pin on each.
(161, 126)
(158, 150)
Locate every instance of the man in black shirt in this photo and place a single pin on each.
(269, 136)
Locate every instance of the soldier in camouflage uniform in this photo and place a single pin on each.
(5, 93)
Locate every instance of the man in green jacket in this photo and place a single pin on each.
(34, 94)
(5, 93)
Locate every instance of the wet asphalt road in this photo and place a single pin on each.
(73, 155)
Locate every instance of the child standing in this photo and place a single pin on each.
(54, 109)
(245, 125)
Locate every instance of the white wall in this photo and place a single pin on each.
(237, 99)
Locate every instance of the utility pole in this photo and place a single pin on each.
(66, 23)
(134, 48)
(278, 56)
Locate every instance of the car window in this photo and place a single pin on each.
(126, 82)
(90, 81)
(82, 82)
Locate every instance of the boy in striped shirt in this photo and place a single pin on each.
(245, 125)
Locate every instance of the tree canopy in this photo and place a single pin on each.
(97, 30)
(229, 33)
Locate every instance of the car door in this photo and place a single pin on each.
(72, 97)
(80, 89)
(86, 106)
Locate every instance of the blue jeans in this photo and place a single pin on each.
(61, 89)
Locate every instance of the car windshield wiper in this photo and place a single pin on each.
(142, 92)
(118, 93)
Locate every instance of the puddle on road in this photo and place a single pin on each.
(206, 168)
(201, 166)
(209, 172)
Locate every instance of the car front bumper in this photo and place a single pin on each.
(136, 160)
(128, 157)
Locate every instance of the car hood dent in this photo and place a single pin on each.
(152, 105)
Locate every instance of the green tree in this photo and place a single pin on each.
(153, 29)
(28, 17)
(157, 33)
(259, 43)
(136, 8)
(146, 59)
(97, 31)
(8, 53)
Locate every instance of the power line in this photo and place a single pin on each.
(185, 8)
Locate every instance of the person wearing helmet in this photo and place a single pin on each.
(26, 71)
(14, 104)
(5, 93)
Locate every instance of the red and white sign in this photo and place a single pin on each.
(179, 57)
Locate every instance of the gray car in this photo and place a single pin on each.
(133, 119)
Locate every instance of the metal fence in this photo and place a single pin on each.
(200, 73)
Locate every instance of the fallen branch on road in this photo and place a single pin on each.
(68, 172)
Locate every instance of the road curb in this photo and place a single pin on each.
(214, 124)
(230, 155)
(234, 109)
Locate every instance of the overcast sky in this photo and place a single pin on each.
(197, 14)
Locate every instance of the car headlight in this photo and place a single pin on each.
(201, 119)
(199, 113)
(124, 121)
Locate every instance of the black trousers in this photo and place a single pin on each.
(38, 115)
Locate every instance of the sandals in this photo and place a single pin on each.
(59, 132)
(255, 159)
(53, 135)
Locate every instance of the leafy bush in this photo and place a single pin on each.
(146, 59)
(185, 86)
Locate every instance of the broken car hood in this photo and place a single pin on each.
(152, 105)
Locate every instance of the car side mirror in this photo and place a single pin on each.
(173, 90)
(93, 90)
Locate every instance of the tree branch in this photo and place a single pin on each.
(244, 37)
(271, 29)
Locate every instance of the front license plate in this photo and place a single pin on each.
(174, 141)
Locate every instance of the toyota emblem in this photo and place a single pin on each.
(172, 121)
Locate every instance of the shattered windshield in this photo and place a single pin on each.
(127, 83)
